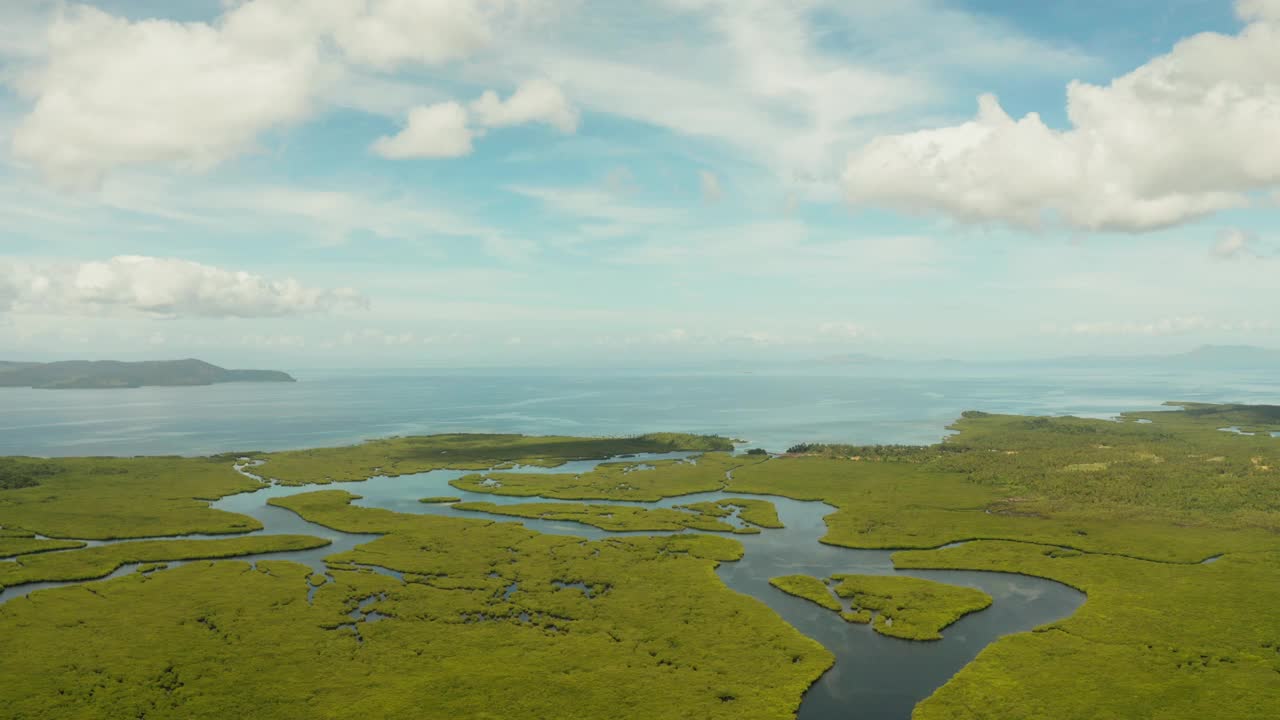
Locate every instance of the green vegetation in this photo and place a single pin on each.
(1173, 489)
(1195, 641)
(440, 499)
(623, 518)
(80, 374)
(96, 562)
(647, 481)
(907, 607)
(109, 498)
(404, 456)
(615, 518)
(898, 606)
(640, 626)
(760, 513)
(636, 627)
(1121, 510)
(808, 587)
(15, 474)
(13, 546)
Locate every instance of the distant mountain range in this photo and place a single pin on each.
(1206, 357)
(79, 374)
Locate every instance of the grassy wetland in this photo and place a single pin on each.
(1168, 523)
(902, 607)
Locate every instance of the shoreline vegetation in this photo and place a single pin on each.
(1127, 511)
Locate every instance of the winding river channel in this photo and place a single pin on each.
(874, 677)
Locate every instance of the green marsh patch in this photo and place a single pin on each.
(100, 561)
(898, 606)
(407, 455)
(503, 617)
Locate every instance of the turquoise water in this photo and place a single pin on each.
(773, 411)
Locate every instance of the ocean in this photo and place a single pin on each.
(769, 410)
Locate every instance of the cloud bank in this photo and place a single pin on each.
(160, 287)
(109, 92)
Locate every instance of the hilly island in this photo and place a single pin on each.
(105, 374)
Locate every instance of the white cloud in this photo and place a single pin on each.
(386, 33)
(1186, 134)
(1258, 9)
(841, 330)
(115, 92)
(111, 92)
(537, 100)
(1235, 244)
(757, 75)
(443, 130)
(434, 131)
(711, 190)
(160, 286)
(1181, 325)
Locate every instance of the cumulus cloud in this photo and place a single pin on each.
(387, 33)
(433, 131)
(1258, 9)
(711, 190)
(115, 92)
(110, 92)
(162, 287)
(536, 100)
(444, 130)
(1184, 135)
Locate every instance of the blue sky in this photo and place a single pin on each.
(563, 182)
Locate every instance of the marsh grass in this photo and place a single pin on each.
(622, 518)
(903, 607)
(641, 627)
(407, 455)
(96, 562)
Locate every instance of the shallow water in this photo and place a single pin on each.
(874, 678)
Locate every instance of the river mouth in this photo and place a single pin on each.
(874, 677)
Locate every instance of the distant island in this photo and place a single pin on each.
(85, 374)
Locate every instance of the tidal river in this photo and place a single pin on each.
(874, 677)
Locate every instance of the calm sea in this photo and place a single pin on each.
(768, 410)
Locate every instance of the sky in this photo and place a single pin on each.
(447, 183)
